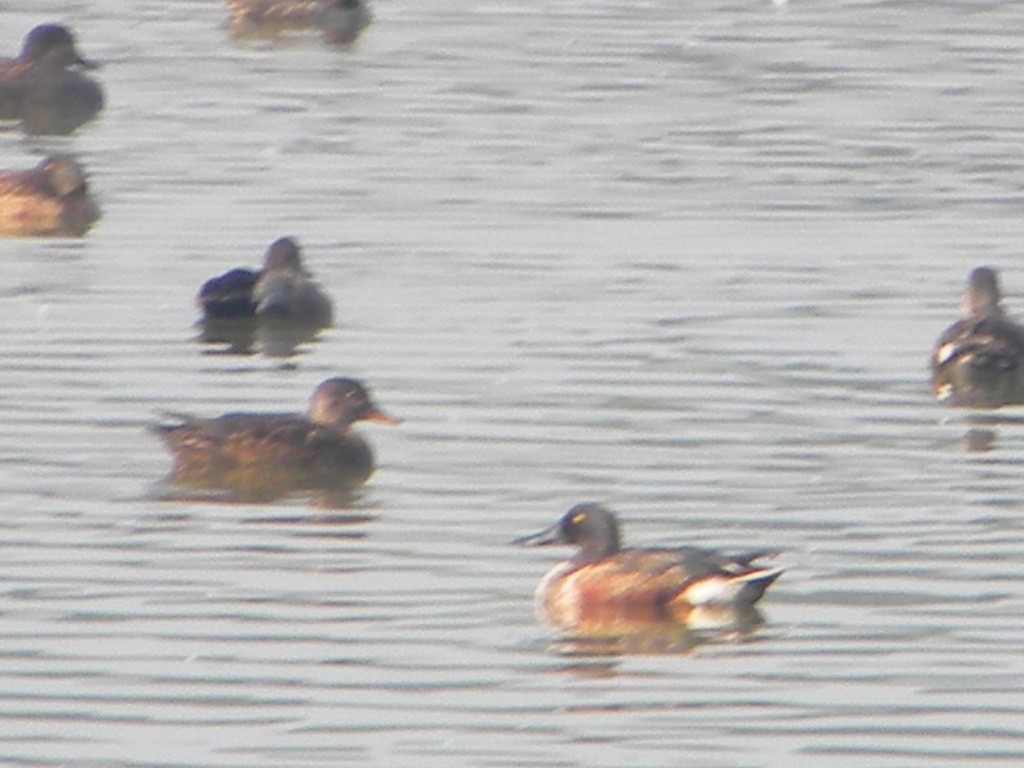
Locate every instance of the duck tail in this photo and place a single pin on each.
(738, 589)
(170, 425)
(753, 585)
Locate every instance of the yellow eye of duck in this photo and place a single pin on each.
(578, 518)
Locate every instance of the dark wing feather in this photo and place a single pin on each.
(228, 295)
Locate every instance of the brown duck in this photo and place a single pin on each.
(605, 588)
(261, 456)
(978, 361)
(51, 199)
(340, 21)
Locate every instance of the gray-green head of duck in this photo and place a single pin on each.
(982, 295)
(54, 44)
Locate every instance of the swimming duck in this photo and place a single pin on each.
(280, 290)
(340, 21)
(261, 456)
(43, 87)
(51, 199)
(605, 585)
(979, 360)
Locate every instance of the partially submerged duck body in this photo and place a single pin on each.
(262, 456)
(60, 103)
(281, 288)
(280, 303)
(50, 200)
(43, 86)
(606, 589)
(978, 362)
(340, 21)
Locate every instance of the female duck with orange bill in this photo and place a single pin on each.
(262, 456)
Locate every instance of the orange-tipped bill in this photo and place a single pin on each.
(378, 416)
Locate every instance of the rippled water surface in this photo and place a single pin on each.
(684, 258)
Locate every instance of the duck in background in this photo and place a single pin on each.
(43, 86)
(50, 200)
(606, 590)
(265, 456)
(280, 288)
(978, 362)
(340, 21)
(281, 297)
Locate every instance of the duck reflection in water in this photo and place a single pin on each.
(606, 634)
(978, 362)
(276, 308)
(982, 435)
(339, 21)
(44, 88)
(979, 440)
(648, 599)
(266, 456)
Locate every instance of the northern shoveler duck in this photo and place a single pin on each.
(43, 87)
(261, 456)
(604, 585)
(51, 199)
(979, 361)
(281, 290)
(340, 21)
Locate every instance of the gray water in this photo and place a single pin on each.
(684, 258)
